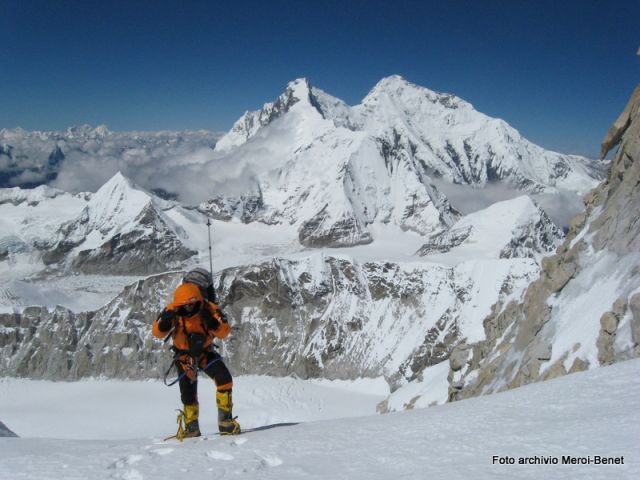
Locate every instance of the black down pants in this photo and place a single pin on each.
(216, 370)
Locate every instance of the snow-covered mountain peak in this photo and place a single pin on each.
(87, 131)
(298, 93)
(400, 90)
(298, 88)
(102, 130)
(516, 228)
(394, 84)
(121, 185)
(122, 229)
(115, 204)
(325, 164)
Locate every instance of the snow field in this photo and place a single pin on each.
(584, 415)
(120, 409)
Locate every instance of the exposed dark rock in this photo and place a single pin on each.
(318, 317)
(6, 432)
(444, 242)
(323, 231)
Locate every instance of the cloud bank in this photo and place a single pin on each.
(561, 206)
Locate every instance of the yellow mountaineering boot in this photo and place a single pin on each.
(226, 423)
(191, 426)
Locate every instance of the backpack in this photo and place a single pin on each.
(201, 278)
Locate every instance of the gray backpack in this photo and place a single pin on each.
(201, 278)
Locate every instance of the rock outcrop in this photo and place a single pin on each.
(5, 431)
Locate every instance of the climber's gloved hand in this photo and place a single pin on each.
(209, 320)
(165, 320)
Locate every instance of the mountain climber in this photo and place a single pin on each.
(193, 321)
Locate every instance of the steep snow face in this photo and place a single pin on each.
(515, 228)
(249, 124)
(114, 207)
(462, 145)
(332, 170)
(326, 176)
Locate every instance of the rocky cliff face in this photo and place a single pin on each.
(584, 310)
(319, 316)
(113, 341)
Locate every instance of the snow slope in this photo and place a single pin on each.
(31, 217)
(515, 228)
(582, 416)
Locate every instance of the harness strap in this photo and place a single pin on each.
(189, 367)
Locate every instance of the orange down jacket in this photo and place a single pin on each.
(185, 325)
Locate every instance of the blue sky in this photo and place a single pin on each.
(560, 72)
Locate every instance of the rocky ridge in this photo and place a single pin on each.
(320, 316)
(584, 310)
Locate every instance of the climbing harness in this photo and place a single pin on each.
(190, 367)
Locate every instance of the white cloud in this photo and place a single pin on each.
(561, 206)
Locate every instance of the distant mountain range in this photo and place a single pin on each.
(311, 161)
